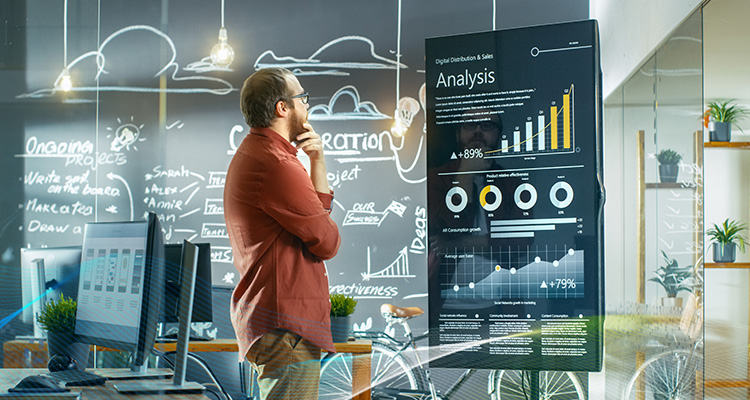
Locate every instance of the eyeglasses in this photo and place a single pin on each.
(304, 97)
(484, 125)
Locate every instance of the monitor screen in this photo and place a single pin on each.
(121, 285)
(202, 302)
(60, 267)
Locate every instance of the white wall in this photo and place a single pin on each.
(630, 30)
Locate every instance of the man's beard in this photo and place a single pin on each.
(296, 123)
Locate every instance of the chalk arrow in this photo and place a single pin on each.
(113, 176)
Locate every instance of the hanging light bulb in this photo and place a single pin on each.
(222, 54)
(407, 108)
(65, 83)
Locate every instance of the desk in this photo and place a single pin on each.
(9, 378)
(18, 352)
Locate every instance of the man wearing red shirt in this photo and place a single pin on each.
(279, 225)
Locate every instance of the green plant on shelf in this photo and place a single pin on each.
(668, 157)
(730, 231)
(725, 111)
(673, 278)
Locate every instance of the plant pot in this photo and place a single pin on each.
(668, 173)
(720, 131)
(725, 253)
(675, 302)
(340, 327)
(65, 344)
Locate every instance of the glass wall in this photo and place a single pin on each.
(653, 159)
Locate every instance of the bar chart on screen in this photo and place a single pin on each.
(550, 131)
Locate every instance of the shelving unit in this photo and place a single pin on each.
(641, 208)
(697, 237)
(729, 383)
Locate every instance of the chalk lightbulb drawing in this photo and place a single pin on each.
(125, 135)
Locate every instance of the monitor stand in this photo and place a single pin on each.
(189, 263)
(135, 373)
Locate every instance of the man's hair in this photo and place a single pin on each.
(260, 93)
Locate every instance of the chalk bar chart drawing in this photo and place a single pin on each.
(399, 268)
(313, 65)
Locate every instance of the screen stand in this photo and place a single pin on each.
(187, 291)
(40, 296)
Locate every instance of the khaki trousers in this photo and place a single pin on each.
(287, 365)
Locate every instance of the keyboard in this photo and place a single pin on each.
(73, 377)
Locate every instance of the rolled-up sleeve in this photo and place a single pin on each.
(300, 209)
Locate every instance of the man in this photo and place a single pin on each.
(278, 221)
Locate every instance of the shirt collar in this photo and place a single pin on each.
(275, 137)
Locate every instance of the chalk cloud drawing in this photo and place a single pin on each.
(399, 268)
(313, 65)
(364, 214)
(125, 135)
(221, 86)
(363, 110)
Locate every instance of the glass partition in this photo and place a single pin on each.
(653, 157)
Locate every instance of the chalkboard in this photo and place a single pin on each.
(151, 126)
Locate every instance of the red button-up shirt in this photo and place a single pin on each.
(281, 231)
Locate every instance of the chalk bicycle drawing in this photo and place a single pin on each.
(397, 370)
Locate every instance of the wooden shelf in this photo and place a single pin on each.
(735, 265)
(728, 145)
(726, 383)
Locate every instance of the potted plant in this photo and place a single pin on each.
(726, 237)
(342, 307)
(58, 318)
(673, 279)
(669, 161)
(719, 118)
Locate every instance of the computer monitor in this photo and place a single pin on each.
(46, 274)
(189, 255)
(202, 300)
(120, 287)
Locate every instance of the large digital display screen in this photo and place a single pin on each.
(515, 199)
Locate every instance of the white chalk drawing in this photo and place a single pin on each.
(125, 135)
(228, 278)
(362, 110)
(367, 325)
(202, 329)
(113, 176)
(189, 213)
(399, 268)
(216, 179)
(214, 207)
(214, 231)
(415, 296)
(193, 234)
(177, 124)
(313, 65)
(222, 254)
(111, 209)
(222, 87)
(364, 214)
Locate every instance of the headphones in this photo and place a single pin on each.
(61, 362)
